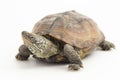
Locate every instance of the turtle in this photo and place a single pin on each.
(65, 37)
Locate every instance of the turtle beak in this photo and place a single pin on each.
(28, 37)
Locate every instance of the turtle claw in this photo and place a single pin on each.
(74, 67)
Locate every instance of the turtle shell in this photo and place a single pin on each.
(72, 28)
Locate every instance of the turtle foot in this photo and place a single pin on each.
(74, 67)
(21, 57)
(107, 45)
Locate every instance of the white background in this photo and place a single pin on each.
(19, 15)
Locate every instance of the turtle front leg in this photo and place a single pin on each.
(106, 45)
(73, 57)
(23, 54)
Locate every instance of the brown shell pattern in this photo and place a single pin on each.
(72, 28)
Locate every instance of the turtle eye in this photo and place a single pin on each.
(31, 37)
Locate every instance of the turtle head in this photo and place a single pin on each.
(34, 42)
(38, 45)
(31, 38)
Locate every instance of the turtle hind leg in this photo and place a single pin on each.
(23, 54)
(106, 45)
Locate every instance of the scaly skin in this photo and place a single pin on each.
(73, 57)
